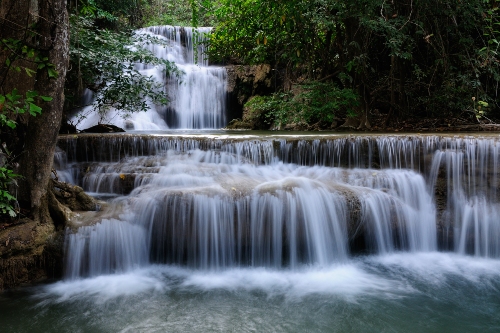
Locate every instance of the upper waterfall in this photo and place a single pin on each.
(197, 97)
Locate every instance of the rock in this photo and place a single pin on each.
(243, 82)
(299, 126)
(103, 128)
(67, 128)
(23, 256)
(74, 197)
(253, 119)
(238, 124)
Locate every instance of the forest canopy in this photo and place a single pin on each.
(426, 58)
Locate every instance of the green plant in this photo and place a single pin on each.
(319, 101)
(14, 103)
(11, 105)
(7, 200)
(406, 58)
(310, 103)
(272, 110)
(19, 50)
(480, 109)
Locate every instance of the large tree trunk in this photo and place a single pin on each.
(36, 163)
(51, 41)
(30, 249)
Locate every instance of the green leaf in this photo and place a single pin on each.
(29, 71)
(34, 109)
(46, 98)
(31, 94)
(52, 73)
(11, 123)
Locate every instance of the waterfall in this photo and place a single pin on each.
(212, 202)
(197, 97)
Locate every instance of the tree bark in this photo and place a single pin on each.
(42, 25)
(31, 248)
(42, 130)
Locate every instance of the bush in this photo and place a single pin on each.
(308, 103)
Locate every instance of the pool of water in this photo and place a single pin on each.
(401, 292)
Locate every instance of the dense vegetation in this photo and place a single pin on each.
(406, 58)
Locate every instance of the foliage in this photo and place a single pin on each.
(7, 179)
(18, 50)
(106, 63)
(322, 102)
(167, 12)
(116, 14)
(407, 58)
(178, 12)
(272, 108)
(310, 103)
(278, 32)
(12, 105)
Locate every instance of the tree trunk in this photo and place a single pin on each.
(44, 26)
(31, 248)
(355, 46)
(41, 137)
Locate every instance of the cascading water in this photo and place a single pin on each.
(197, 97)
(221, 203)
(275, 233)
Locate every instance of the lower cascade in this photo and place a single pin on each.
(252, 232)
(213, 203)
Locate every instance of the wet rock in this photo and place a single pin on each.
(253, 119)
(243, 82)
(67, 128)
(74, 197)
(239, 124)
(103, 128)
(299, 126)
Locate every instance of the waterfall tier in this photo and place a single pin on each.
(271, 201)
(197, 96)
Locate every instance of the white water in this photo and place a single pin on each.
(213, 215)
(197, 97)
(220, 208)
(214, 204)
(387, 276)
(263, 234)
(400, 292)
